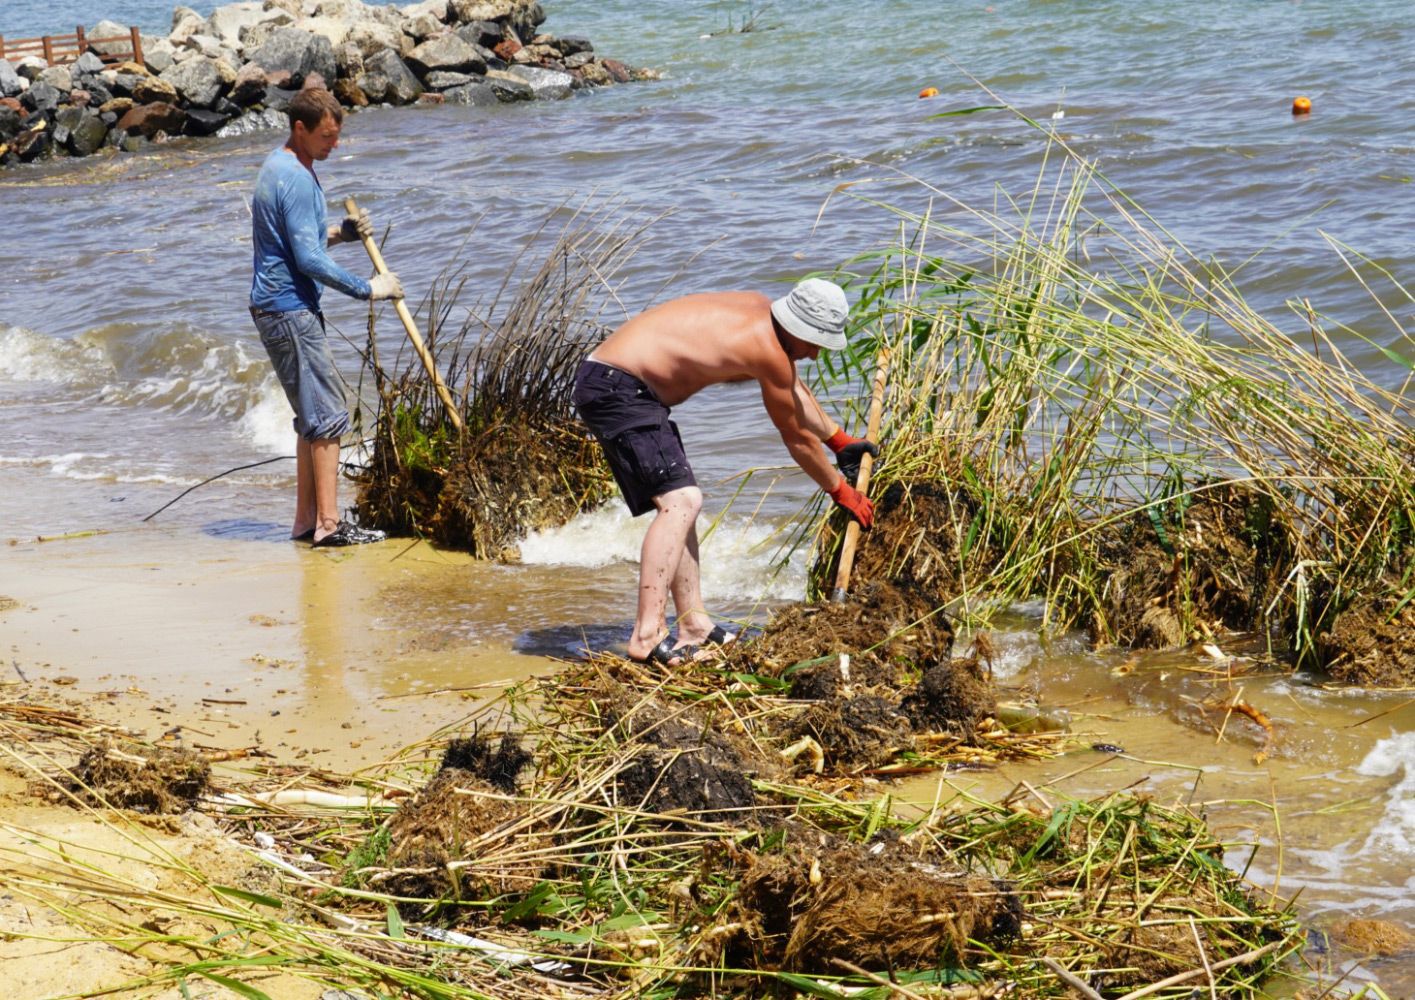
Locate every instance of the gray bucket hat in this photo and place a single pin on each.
(814, 311)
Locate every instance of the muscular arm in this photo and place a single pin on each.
(800, 421)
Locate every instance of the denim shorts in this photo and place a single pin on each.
(643, 446)
(299, 351)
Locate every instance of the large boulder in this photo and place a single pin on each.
(185, 23)
(437, 8)
(87, 135)
(548, 84)
(30, 67)
(388, 78)
(158, 55)
(9, 124)
(348, 93)
(201, 121)
(254, 121)
(154, 90)
(30, 146)
(446, 81)
(249, 86)
(297, 52)
(509, 88)
(40, 97)
(445, 54)
(147, 120)
(199, 81)
(371, 37)
(482, 33)
(333, 28)
(10, 85)
(57, 77)
(87, 64)
(349, 60)
(478, 94)
(423, 26)
(226, 23)
(111, 29)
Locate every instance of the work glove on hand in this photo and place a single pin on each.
(354, 227)
(856, 504)
(385, 286)
(848, 452)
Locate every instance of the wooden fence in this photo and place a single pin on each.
(57, 50)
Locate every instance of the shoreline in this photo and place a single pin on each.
(236, 71)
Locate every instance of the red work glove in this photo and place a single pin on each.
(856, 504)
(848, 452)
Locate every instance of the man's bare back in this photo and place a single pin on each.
(682, 346)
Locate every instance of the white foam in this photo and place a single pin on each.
(26, 356)
(266, 424)
(1395, 831)
(737, 558)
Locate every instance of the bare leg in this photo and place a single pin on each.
(324, 455)
(304, 489)
(693, 622)
(659, 558)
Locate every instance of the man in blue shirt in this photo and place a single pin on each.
(289, 231)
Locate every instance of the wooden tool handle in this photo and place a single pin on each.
(410, 326)
(862, 482)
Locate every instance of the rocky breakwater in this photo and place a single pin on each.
(236, 70)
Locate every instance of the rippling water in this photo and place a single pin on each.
(129, 369)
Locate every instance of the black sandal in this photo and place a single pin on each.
(719, 636)
(663, 654)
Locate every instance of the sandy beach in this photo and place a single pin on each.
(335, 658)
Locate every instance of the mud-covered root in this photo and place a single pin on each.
(954, 696)
(459, 838)
(913, 543)
(855, 734)
(500, 765)
(880, 626)
(877, 907)
(1210, 561)
(1372, 641)
(142, 778)
(683, 762)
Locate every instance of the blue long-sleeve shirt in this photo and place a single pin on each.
(289, 230)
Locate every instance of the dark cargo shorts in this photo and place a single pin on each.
(643, 446)
(299, 352)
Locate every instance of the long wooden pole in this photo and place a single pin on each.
(862, 482)
(409, 325)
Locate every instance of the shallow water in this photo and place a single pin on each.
(129, 370)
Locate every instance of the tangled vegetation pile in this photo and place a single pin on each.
(522, 460)
(579, 883)
(158, 780)
(1079, 410)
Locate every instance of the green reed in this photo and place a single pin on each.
(1062, 361)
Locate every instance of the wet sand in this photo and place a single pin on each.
(213, 642)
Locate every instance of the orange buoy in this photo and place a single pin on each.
(1301, 106)
(928, 92)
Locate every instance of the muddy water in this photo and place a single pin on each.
(1327, 815)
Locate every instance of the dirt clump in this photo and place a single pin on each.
(500, 765)
(914, 543)
(455, 840)
(146, 779)
(480, 492)
(881, 626)
(1372, 641)
(857, 733)
(879, 906)
(1206, 562)
(955, 695)
(682, 762)
(1375, 937)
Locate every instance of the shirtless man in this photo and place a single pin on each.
(623, 392)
